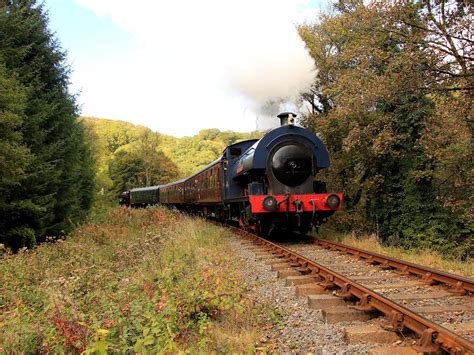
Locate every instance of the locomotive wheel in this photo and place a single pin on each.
(248, 221)
(263, 229)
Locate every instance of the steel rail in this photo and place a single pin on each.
(432, 336)
(458, 284)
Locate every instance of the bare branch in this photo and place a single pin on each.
(435, 32)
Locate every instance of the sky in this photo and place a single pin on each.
(181, 66)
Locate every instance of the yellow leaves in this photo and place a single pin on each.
(101, 333)
(353, 139)
(100, 343)
(383, 142)
(419, 175)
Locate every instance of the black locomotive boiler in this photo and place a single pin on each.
(264, 184)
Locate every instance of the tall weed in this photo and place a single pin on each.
(145, 280)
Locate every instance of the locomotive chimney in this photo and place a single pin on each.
(287, 118)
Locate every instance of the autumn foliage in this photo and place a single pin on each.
(146, 280)
(393, 103)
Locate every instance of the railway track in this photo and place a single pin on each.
(434, 307)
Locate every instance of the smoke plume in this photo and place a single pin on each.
(272, 65)
(224, 58)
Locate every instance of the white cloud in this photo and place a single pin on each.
(198, 64)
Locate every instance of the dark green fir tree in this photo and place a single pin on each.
(51, 189)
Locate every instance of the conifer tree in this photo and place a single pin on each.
(57, 183)
(14, 156)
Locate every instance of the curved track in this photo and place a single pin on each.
(370, 297)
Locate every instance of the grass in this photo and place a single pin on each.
(145, 280)
(424, 257)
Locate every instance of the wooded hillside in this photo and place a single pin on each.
(132, 156)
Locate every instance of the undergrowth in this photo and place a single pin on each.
(144, 280)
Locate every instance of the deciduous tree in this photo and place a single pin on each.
(380, 103)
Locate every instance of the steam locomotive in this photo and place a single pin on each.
(264, 185)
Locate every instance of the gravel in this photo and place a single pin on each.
(288, 325)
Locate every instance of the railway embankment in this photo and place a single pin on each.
(152, 280)
(138, 280)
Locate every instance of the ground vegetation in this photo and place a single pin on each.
(129, 281)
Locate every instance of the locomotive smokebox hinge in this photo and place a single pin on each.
(287, 118)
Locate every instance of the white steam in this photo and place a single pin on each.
(274, 64)
(270, 66)
(222, 57)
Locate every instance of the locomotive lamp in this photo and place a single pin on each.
(333, 201)
(270, 203)
(287, 118)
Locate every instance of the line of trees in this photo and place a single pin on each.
(130, 156)
(393, 102)
(46, 169)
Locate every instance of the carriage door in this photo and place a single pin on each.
(223, 177)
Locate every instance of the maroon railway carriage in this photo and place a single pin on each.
(204, 187)
(173, 193)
